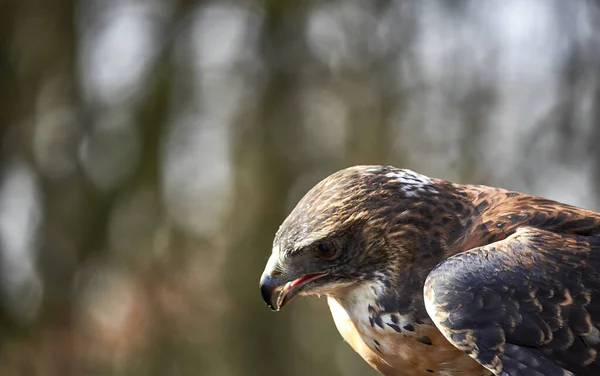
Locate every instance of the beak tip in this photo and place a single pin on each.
(267, 289)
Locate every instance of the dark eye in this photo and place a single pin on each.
(326, 250)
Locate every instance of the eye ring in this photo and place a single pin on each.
(326, 250)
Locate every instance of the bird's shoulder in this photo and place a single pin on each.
(527, 303)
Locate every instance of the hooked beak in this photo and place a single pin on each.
(272, 281)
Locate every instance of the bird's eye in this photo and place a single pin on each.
(326, 250)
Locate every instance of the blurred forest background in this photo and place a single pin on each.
(151, 148)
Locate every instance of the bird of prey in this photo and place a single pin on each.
(427, 277)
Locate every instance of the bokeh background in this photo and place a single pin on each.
(151, 148)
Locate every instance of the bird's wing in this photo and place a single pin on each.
(528, 305)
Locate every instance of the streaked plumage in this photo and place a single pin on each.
(427, 277)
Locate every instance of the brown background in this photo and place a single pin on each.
(151, 148)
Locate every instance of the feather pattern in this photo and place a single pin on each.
(525, 304)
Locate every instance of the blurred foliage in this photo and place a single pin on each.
(151, 148)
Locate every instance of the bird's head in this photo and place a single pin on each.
(353, 226)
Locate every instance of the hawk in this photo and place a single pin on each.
(427, 277)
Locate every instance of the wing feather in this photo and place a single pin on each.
(525, 305)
